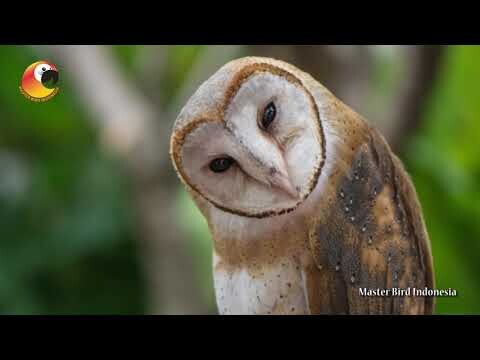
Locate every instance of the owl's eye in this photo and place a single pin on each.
(268, 116)
(221, 164)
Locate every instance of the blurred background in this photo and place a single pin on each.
(93, 219)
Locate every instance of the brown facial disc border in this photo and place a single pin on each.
(243, 75)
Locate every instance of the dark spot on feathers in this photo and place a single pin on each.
(357, 187)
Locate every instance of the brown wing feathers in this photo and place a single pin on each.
(372, 236)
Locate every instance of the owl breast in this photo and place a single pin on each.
(276, 289)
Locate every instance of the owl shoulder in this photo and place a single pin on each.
(371, 233)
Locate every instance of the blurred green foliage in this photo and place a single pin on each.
(443, 159)
(65, 230)
(67, 243)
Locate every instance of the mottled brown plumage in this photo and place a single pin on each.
(371, 235)
(353, 221)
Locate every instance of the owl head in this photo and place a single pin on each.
(250, 139)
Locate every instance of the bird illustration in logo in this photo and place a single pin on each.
(39, 81)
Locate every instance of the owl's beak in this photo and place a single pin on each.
(283, 182)
(264, 161)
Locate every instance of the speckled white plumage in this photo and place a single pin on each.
(280, 289)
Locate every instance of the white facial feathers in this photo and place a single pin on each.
(274, 168)
(290, 143)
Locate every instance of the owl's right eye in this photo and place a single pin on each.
(221, 164)
(268, 115)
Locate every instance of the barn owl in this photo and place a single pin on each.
(308, 208)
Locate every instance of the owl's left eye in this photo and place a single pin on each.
(221, 164)
(268, 115)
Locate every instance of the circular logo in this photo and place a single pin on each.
(39, 81)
